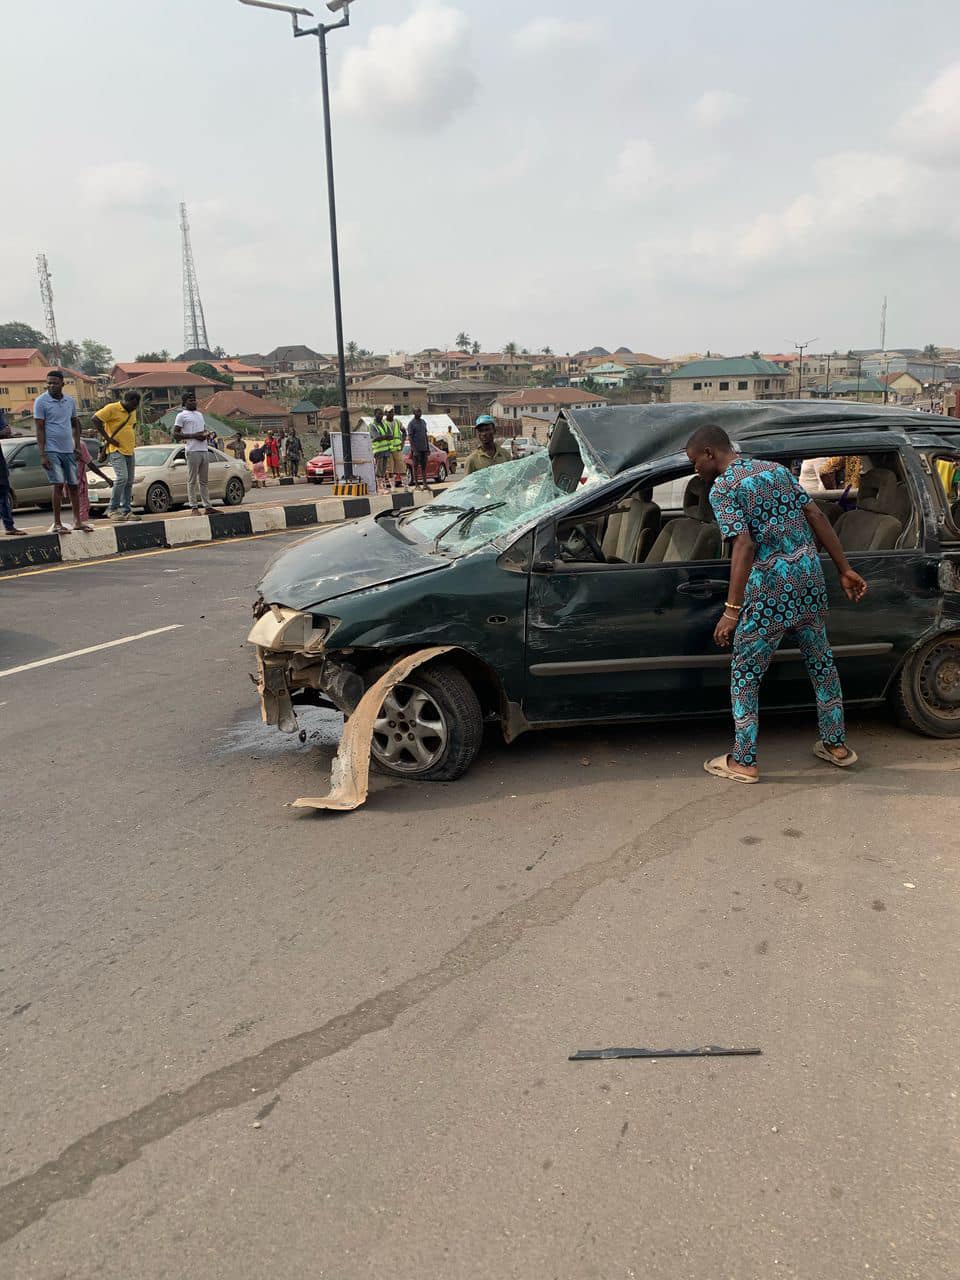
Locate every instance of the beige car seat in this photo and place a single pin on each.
(693, 536)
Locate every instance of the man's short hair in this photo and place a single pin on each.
(188, 395)
(709, 437)
(132, 395)
(55, 373)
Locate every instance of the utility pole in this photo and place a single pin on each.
(194, 325)
(320, 31)
(801, 347)
(883, 346)
(859, 371)
(828, 377)
(46, 297)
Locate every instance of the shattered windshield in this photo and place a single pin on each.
(493, 504)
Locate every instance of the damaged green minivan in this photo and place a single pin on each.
(581, 585)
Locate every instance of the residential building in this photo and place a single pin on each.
(462, 398)
(305, 416)
(494, 364)
(735, 378)
(431, 363)
(21, 384)
(866, 388)
(902, 388)
(263, 414)
(294, 359)
(403, 393)
(164, 390)
(543, 403)
(23, 358)
(608, 373)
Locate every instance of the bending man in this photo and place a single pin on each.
(776, 585)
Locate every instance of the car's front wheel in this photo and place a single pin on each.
(441, 473)
(157, 499)
(233, 494)
(927, 691)
(429, 728)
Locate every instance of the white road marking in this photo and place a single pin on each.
(94, 648)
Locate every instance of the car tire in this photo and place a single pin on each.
(926, 693)
(13, 498)
(233, 493)
(409, 477)
(157, 501)
(451, 703)
(441, 474)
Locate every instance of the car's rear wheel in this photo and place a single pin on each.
(429, 728)
(157, 500)
(409, 477)
(233, 494)
(927, 692)
(441, 473)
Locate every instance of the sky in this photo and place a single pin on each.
(701, 176)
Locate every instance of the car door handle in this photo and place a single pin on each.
(703, 587)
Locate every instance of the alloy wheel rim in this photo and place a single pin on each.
(410, 733)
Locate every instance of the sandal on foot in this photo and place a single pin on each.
(823, 753)
(720, 769)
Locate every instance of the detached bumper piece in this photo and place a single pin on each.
(706, 1051)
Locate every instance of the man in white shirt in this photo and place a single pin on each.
(191, 428)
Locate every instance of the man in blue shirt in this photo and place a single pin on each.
(58, 438)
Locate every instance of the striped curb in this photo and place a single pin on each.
(228, 522)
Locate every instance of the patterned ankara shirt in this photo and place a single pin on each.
(786, 587)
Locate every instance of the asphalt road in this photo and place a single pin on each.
(240, 1040)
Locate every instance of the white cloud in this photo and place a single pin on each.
(127, 185)
(931, 128)
(546, 34)
(415, 75)
(716, 107)
(637, 173)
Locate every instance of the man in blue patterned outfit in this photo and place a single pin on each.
(776, 585)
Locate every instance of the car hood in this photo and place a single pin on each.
(341, 559)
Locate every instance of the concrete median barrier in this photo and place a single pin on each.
(40, 549)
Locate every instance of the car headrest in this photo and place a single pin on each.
(645, 495)
(878, 492)
(696, 500)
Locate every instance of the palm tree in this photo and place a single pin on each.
(463, 341)
(475, 347)
(546, 351)
(931, 350)
(353, 352)
(511, 349)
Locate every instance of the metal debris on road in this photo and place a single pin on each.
(706, 1051)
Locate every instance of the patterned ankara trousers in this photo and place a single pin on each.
(752, 653)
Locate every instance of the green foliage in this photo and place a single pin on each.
(70, 353)
(18, 334)
(463, 341)
(592, 385)
(322, 397)
(931, 350)
(95, 357)
(204, 370)
(352, 353)
(511, 349)
(475, 348)
(153, 357)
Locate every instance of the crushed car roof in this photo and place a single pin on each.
(619, 437)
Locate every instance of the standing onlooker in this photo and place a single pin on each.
(259, 467)
(489, 454)
(271, 447)
(58, 437)
(292, 453)
(397, 467)
(6, 509)
(117, 423)
(324, 440)
(86, 463)
(238, 448)
(380, 439)
(190, 426)
(419, 448)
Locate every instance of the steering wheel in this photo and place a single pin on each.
(591, 542)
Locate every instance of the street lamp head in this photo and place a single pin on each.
(281, 8)
(336, 5)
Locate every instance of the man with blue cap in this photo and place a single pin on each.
(488, 453)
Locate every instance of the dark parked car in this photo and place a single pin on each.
(582, 585)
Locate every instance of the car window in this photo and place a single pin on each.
(218, 456)
(152, 455)
(945, 469)
(29, 455)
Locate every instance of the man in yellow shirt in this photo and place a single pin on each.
(117, 423)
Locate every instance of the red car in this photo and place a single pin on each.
(438, 464)
(320, 468)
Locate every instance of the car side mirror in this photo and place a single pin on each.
(180, 462)
(14, 465)
(543, 566)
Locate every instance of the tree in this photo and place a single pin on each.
(592, 385)
(95, 357)
(70, 353)
(511, 349)
(322, 397)
(474, 348)
(153, 357)
(931, 350)
(204, 370)
(18, 334)
(754, 354)
(463, 341)
(353, 352)
(546, 351)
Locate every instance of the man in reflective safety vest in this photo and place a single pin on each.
(397, 466)
(381, 442)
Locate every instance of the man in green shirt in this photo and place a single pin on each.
(489, 453)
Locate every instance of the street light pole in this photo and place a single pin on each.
(320, 31)
(801, 347)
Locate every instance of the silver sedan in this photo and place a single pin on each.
(161, 479)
